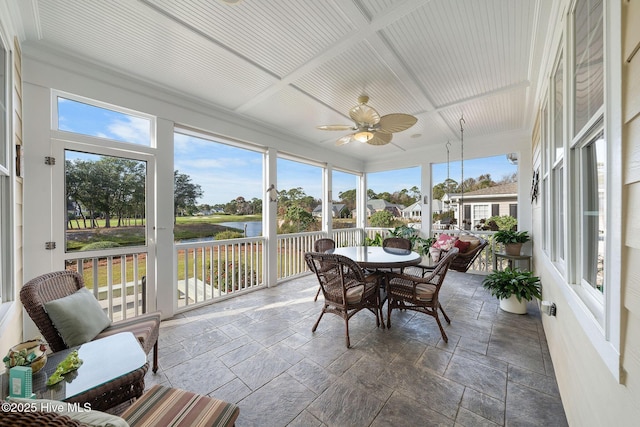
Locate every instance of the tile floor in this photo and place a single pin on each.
(257, 350)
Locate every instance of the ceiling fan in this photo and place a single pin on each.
(369, 127)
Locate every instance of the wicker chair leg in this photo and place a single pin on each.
(388, 314)
(155, 357)
(346, 324)
(443, 313)
(318, 321)
(317, 294)
(444, 335)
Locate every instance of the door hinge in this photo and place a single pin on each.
(48, 160)
(49, 245)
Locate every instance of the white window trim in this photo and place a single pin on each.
(605, 338)
(55, 94)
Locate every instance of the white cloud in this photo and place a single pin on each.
(131, 129)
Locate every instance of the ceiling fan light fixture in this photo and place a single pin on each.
(363, 136)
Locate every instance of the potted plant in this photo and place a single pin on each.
(512, 240)
(513, 288)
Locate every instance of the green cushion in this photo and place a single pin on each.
(77, 317)
(74, 411)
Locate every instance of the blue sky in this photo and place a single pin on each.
(226, 172)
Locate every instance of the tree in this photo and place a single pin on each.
(381, 219)
(297, 219)
(185, 193)
(348, 198)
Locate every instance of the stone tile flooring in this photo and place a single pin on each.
(257, 350)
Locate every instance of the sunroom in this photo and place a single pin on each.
(549, 82)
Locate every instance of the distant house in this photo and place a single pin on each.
(481, 204)
(414, 211)
(377, 205)
(338, 210)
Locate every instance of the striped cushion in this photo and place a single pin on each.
(165, 406)
(144, 327)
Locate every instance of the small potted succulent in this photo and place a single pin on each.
(513, 288)
(512, 240)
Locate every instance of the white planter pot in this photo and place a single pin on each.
(512, 305)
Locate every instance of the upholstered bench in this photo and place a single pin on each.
(166, 406)
(159, 406)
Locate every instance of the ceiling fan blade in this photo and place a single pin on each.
(335, 127)
(380, 138)
(363, 114)
(345, 139)
(396, 122)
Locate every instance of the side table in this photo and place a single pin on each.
(510, 259)
(112, 372)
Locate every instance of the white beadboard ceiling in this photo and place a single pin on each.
(294, 65)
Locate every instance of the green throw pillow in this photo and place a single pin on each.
(77, 317)
(76, 411)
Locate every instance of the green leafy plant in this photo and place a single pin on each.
(505, 283)
(419, 244)
(510, 236)
(503, 222)
(376, 241)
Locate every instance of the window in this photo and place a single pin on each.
(343, 193)
(589, 156)
(213, 178)
(588, 80)
(544, 188)
(100, 215)
(99, 121)
(6, 247)
(592, 205)
(391, 192)
(558, 110)
(299, 195)
(558, 209)
(557, 172)
(480, 212)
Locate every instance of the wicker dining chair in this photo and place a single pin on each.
(59, 284)
(345, 288)
(397, 242)
(322, 245)
(410, 292)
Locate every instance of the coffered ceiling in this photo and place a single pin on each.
(294, 64)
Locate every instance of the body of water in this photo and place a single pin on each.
(254, 229)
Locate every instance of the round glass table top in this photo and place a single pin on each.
(378, 257)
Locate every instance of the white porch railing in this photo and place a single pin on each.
(217, 269)
(291, 250)
(117, 281)
(213, 270)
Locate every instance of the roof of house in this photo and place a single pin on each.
(510, 188)
(337, 207)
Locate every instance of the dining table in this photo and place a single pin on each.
(377, 257)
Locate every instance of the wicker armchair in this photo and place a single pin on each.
(51, 286)
(345, 288)
(36, 418)
(409, 292)
(322, 245)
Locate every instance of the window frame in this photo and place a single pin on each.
(605, 336)
(55, 94)
(7, 189)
